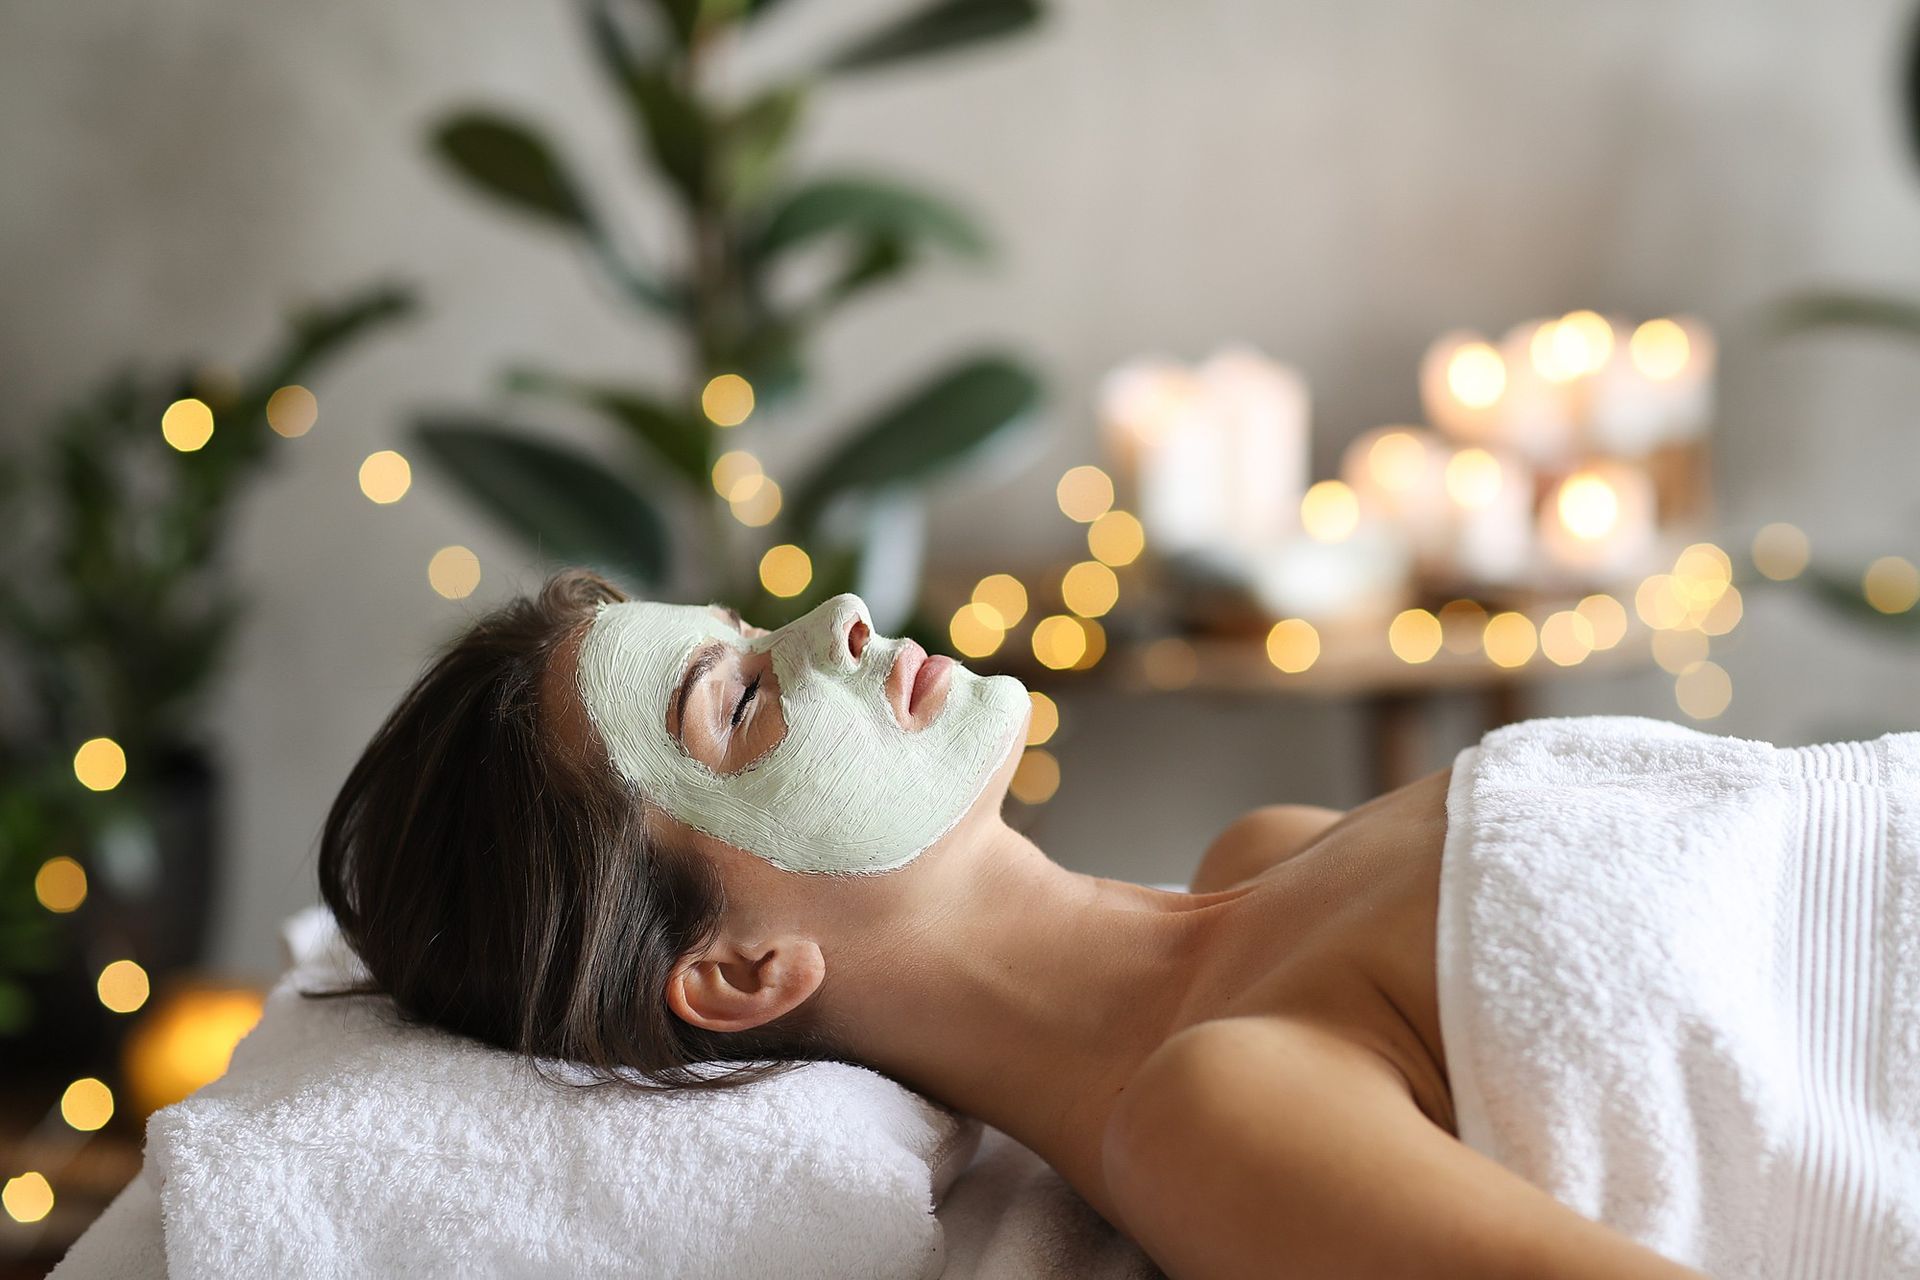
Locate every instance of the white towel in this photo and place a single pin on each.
(1680, 987)
(343, 1143)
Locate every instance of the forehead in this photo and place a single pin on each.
(652, 640)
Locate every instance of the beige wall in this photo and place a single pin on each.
(1335, 181)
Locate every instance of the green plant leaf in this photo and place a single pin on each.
(1830, 309)
(940, 27)
(675, 128)
(921, 434)
(681, 439)
(1843, 594)
(511, 163)
(878, 260)
(755, 136)
(565, 505)
(871, 207)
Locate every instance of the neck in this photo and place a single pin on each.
(1030, 1000)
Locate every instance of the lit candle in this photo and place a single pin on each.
(1463, 380)
(1538, 416)
(1488, 534)
(1399, 476)
(1599, 521)
(1656, 389)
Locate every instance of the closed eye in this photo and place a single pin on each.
(740, 711)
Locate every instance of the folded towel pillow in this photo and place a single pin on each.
(342, 1141)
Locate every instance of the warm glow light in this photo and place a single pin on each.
(786, 570)
(1510, 639)
(1330, 512)
(975, 629)
(1659, 349)
(1473, 478)
(1293, 645)
(187, 425)
(727, 400)
(1701, 574)
(1096, 637)
(733, 472)
(100, 764)
(385, 476)
(1566, 638)
(1044, 721)
(1170, 663)
(1724, 614)
(1005, 595)
(1397, 461)
(1089, 589)
(1116, 538)
(1476, 375)
(1606, 618)
(1780, 551)
(1582, 342)
(1891, 584)
(123, 986)
(1703, 690)
(292, 411)
(28, 1198)
(1036, 777)
(1542, 349)
(1659, 603)
(1084, 493)
(454, 572)
(1588, 506)
(1680, 648)
(755, 502)
(184, 1042)
(1414, 635)
(60, 884)
(87, 1104)
(1461, 624)
(1059, 641)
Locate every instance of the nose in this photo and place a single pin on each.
(857, 634)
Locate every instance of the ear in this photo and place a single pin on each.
(733, 986)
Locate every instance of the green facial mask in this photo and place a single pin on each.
(847, 790)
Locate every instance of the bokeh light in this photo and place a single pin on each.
(123, 986)
(87, 1104)
(27, 1197)
(727, 400)
(755, 501)
(975, 629)
(1089, 589)
(1891, 584)
(1330, 511)
(1582, 342)
(1085, 493)
(100, 764)
(1096, 644)
(1659, 349)
(1659, 604)
(1397, 461)
(1606, 618)
(1005, 595)
(1116, 538)
(1036, 777)
(733, 472)
(1724, 614)
(1566, 638)
(1588, 505)
(292, 411)
(1476, 375)
(1510, 639)
(1473, 478)
(1780, 551)
(1703, 690)
(1045, 720)
(184, 1042)
(187, 425)
(385, 477)
(454, 572)
(1170, 663)
(1293, 645)
(1679, 649)
(1059, 641)
(1462, 622)
(786, 570)
(1414, 635)
(60, 884)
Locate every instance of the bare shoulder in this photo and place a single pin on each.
(1248, 1142)
(1259, 839)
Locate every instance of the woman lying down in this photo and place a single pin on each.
(1609, 998)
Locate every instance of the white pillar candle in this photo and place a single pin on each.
(1598, 522)
(1399, 475)
(1656, 389)
(1538, 415)
(1259, 407)
(1365, 574)
(1488, 534)
(1463, 380)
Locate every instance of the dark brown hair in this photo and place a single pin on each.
(498, 884)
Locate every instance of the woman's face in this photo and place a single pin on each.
(819, 747)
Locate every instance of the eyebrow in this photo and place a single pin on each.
(703, 660)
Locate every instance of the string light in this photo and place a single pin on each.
(1293, 645)
(1089, 589)
(123, 986)
(1659, 605)
(1780, 551)
(755, 501)
(1724, 614)
(1891, 584)
(975, 629)
(1462, 622)
(1116, 538)
(1414, 636)
(187, 425)
(1510, 639)
(1679, 649)
(292, 411)
(100, 764)
(1059, 641)
(1566, 638)
(727, 400)
(1474, 477)
(28, 1197)
(1330, 511)
(1170, 663)
(385, 477)
(734, 472)
(1044, 721)
(785, 570)
(1003, 594)
(1606, 618)
(60, 884)
(87, 1104)
(1036, 777)
(1085, 493)
(1703, 690)
(1096, 644)
(454, 572)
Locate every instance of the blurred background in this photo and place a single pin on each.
(1285, 391)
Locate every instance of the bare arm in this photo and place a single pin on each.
(1252, 1147)
(1257, 840)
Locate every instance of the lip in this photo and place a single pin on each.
(926, 679)
(913, 678)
